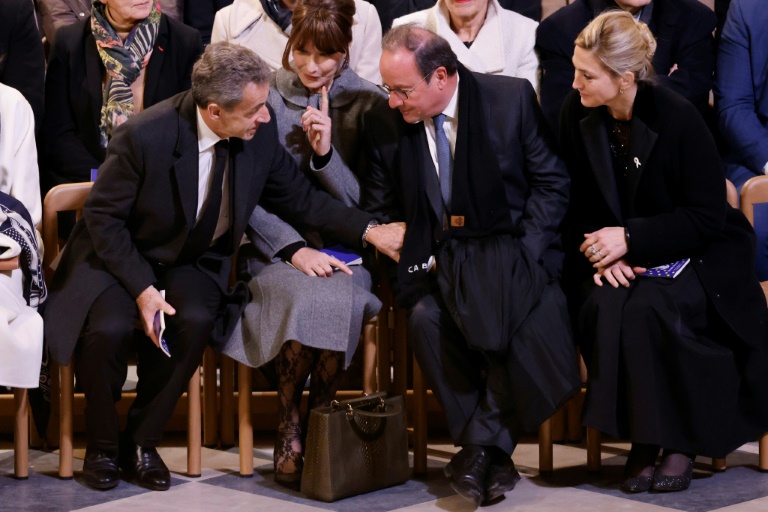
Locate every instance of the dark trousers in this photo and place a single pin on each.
(469, 385)
(110, 335)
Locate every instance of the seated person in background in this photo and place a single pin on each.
(484, 37)
(683, 61)
(741, 100)
(21, 289)
(168, 211)
(264, 26)
(101, 71)
(390, 10)
(22, 60)
(648, 191)
(55, 14)
(304, 315)
(467, 164)
(741, 90)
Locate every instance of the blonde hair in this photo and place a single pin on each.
(621, 43)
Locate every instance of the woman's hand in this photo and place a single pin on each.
(619, 273)
(317, 124)
(316, 263)
(605, 246)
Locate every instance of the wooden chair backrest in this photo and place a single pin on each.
(754, 191)
(731, 194)
(61, 198)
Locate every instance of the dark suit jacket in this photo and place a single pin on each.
(676, 204)
(683, 30)
(73, 87)
(536, 181)
(741, 89)
(142, 208)
(22, 61)
(55, 14)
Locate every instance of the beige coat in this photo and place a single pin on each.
(504, 45)
(245, 22)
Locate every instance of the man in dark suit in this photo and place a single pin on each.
(22, 61)
(74, 87)
(167, 211)
(466, 163)
(684, 58)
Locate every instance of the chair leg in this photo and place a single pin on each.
(66, 405)
(419, 421)
(558, 426)
(210, 417)
(227, 401)
(546, 456)
(21, 435)
(593, 450)
(573, 410)
(194, 441)
(369, 357)
(719, 465)
(763, 450)
(245, 430)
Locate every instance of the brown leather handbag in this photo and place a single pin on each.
(355, 446)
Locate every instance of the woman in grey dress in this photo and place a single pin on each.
(305, 315)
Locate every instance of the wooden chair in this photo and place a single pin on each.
(71, 197)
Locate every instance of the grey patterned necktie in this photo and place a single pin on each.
(444, 160)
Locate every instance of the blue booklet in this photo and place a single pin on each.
(343, 254)
(670, 270)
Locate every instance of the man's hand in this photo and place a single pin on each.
(387, 238)
(316, 263)
(617, 274)
(150, 302)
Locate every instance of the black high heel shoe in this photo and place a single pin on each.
(673, 483)
(284, 454)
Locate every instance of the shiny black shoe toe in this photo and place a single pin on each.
(145, 467)
(673, 483)
(501, 477)
(100, 470)
(467, 471)
(635, 484)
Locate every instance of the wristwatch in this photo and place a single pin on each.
(367, 229)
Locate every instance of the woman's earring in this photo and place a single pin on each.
(621, 90)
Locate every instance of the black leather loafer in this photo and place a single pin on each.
(145, 467)
(100, 470)
(467, 471)
(501, 477)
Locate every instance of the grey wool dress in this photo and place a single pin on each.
(325, 313)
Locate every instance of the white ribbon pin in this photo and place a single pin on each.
(637, 163)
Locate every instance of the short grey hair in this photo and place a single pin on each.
(223, 71)
(430, 51)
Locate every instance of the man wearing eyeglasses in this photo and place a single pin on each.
(468, 165)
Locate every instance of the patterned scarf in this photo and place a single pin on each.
(123, 62)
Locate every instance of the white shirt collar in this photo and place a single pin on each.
(206, 138)
(452, 109)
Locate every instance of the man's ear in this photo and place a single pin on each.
(214, 110)
(440, 75)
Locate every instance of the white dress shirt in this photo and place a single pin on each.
(206, 140)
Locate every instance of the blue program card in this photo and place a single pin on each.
(94, 173)
(343, 254)
(671, 270)
(159, 327)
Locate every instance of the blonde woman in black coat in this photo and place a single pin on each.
(647, 191)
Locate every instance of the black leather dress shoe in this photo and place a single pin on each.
(500, 478)
(100, 470)
(145, 467)
(467, 471)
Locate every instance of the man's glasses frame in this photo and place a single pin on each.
(401, 94)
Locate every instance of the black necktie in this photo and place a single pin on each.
(200, 237)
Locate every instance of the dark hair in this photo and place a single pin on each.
(429, 49)
(327, 24)
(223, 71)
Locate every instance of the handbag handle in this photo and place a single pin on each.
(352, 417)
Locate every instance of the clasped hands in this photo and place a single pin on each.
(605, 249)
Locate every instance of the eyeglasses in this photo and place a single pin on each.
(401, 94)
